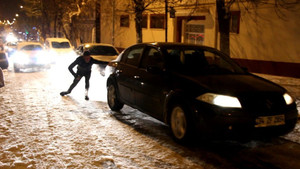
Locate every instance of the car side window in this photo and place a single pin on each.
(214, 59)
(133, 55)
(152, 58)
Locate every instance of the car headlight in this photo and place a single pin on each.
(288, 99)
(220, 100)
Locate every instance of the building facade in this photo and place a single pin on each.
(263, 38)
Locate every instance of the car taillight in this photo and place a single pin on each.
(113, 64)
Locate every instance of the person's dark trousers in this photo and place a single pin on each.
(76, 80)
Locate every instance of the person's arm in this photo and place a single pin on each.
(72, 65)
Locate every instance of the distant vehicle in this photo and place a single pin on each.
(59, 49)
(99, 51)
(2, 84)
(3, 60)
(199, 90)
(30, 55)
(10, 47)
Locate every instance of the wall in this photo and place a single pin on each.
(265, 43)
(268, 43)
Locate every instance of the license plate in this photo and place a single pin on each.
(266, 121)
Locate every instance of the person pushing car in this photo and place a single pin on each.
(84, 67)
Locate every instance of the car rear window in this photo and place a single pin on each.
(103, 50)
(132, 55)
(61, 45)
(32, 47)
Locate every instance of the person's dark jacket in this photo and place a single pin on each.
(83, 67)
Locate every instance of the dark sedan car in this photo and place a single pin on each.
(198, 89)
(3, 60)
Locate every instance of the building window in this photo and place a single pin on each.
(194, 34)
(145, 21)
(157, 21)
(235, 22)
(124, 21)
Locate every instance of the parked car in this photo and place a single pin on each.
(99, 51)
(30, 55)
(60, 50)
(1, 78)
(199, 90)
(3, 60)
(111, 66)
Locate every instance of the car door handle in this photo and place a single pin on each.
(136, 77)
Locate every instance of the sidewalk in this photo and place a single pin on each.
(289, 83)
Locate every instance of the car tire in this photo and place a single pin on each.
(112, 98)
(179, 123)
(16, 69)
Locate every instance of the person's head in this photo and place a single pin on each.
(86, 53)
(86, 56)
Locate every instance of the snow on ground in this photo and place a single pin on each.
(41, 129)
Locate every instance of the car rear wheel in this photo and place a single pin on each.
(16, 69)
(179, 123)
(112, 98)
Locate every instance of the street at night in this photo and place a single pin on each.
(148, 84)
(41, 129)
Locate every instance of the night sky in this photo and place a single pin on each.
(9, 8)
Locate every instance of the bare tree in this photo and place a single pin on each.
(60, 13)
(139, 7)
(36, 10)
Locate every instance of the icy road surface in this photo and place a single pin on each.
(41, 129)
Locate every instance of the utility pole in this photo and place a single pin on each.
(113, 23)
(97, 24)
(166, 20)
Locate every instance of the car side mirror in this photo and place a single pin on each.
(154, 69)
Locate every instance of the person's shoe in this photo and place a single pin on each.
(87, 98)
(64, 93)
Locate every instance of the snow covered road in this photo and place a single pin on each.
(41, 129)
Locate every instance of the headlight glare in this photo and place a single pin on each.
(288, 99)
(21, 58)
(220, 100)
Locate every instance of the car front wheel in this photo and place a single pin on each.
(179, 123)
(112, 98)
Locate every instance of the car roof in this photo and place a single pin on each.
(97, 44)
(176, 44)
(22, 44)
(58, 39)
